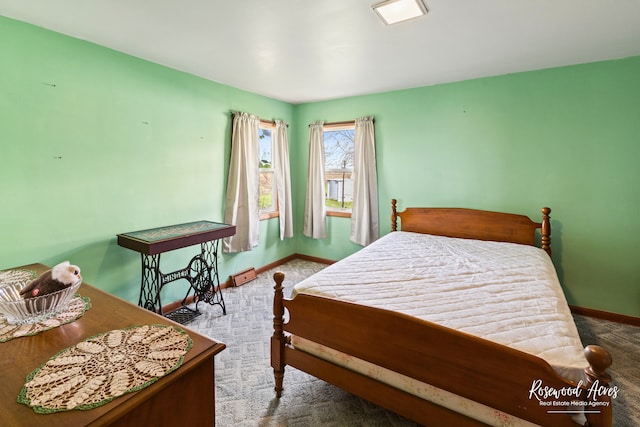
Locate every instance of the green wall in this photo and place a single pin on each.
(95, 142)
(567, 138)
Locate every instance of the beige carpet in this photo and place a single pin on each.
(244, 378)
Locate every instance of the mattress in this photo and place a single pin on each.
(503, 292)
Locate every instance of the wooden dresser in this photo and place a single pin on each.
(183, 397)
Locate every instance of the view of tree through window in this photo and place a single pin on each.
(338, 152)
(267, 197)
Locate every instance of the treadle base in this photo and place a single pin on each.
(182, 315)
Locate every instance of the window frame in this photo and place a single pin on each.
(268, 214)
(329, 127)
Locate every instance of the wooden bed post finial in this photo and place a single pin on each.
(597, 378)
(278, 338)
(546, 230)
(599, 361)
(394, 215)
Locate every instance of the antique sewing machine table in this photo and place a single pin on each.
(201, 272)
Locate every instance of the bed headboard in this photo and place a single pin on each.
(474, 224)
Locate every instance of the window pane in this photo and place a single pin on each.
(264, 139)
(266, 190)
(338, 151)
(267, 198)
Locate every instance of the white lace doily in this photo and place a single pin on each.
(101, 368)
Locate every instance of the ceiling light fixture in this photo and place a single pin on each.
(394, 11)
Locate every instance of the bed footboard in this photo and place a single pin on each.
(477, 369)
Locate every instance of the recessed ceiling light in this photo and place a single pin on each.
(394, 11)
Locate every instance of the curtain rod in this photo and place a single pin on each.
(348, 122)
(270, 122)
(343, 123)
(263, 121)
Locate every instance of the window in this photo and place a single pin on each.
(268, 198)
(338, 151)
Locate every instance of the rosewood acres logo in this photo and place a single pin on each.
(573, 398)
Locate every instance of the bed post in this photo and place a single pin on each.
(599, 360)
(278, 338)
(394, 215)
(546, 230)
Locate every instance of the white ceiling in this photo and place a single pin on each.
(302, 50)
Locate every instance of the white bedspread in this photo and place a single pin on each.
(503, 292)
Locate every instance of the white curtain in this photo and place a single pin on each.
(242, 206)
(364, 214)
(315, 216)
(283, 178)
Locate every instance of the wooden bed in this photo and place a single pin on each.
(477, 369)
